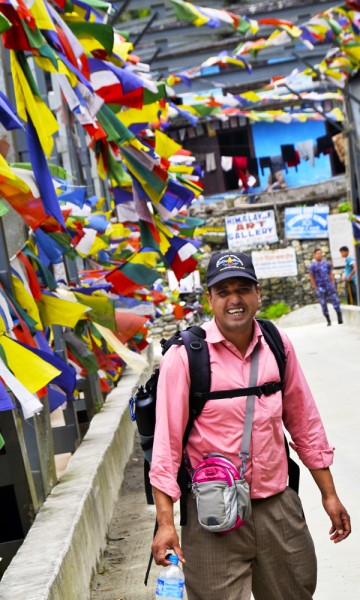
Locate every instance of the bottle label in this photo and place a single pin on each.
(165, 589)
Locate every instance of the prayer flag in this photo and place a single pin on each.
(33, 372)
(56, 311)
(133, 360)
(102, 308)
(5, 402)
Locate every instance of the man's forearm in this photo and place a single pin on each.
(166, 537)
(340, 520)
(164, 507)
(324, 481)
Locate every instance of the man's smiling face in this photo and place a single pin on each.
(234, 303)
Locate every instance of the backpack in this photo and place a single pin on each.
(143, 402)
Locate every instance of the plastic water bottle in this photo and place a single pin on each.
(170, 583)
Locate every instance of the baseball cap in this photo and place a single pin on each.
(224, 265)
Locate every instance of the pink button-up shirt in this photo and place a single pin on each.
(220, 424)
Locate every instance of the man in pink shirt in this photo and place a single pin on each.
(273, 554)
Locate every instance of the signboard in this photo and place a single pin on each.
(306, 222)
(275, 263)
(340, 234)
(250, 229)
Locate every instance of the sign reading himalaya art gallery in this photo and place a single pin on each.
(275, 263)
(306, 222)
(250, 229)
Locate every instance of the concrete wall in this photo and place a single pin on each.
(62, 548)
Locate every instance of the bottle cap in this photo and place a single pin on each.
(173, 559)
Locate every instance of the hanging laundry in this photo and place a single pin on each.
(265, 163)
(226, 163)
(277, 164)
(325, 144)
(253, 167)
(240, 165)
(339, 144)
(306, 151)
(210, 162)
(290, 156)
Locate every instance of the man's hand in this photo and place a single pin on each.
(340, 519)
(166, 539)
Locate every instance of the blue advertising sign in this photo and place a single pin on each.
(306, 222)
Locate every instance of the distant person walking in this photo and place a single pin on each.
(323, 282)
(349, 276)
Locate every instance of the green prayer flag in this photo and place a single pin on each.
(55, 170)
(102, 32)
(3, 209)
(115, 129)
(4, 23)
(102, 309)
(2, 441)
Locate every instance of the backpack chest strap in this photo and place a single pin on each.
(266, 389)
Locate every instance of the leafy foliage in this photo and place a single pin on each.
(275, 311)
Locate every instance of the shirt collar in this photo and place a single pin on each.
(214, 335)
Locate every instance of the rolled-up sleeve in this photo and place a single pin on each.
(301, 416)
(172, 413)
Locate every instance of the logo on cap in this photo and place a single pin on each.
(229, 261)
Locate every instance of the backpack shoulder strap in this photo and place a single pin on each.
(199, 368)
(274, 340)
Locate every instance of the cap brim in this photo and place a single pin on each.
(229, 275)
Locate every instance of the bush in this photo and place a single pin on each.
(275, 311)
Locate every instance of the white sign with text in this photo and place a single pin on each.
(250, 229)
(340, 234)
(275, 263)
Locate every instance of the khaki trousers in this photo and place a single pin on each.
(273, 555)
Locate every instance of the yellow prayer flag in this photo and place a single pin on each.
(5, 169)
(148, 259)
(43, 119)
(148, 114)
(164, 145)
(33, 372)
(46, 65)
(121, 48)
(98, 244)
(26, 301)
(41, 15)
(90, 43)
(56, 311)
(132, 359)
(251, 96)
(2, 326)
(181, 169)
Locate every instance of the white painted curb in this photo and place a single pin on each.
(61, 551)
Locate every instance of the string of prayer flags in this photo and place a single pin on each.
(212, 17)
(135, 273)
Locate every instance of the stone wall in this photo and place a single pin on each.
(295, 291)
